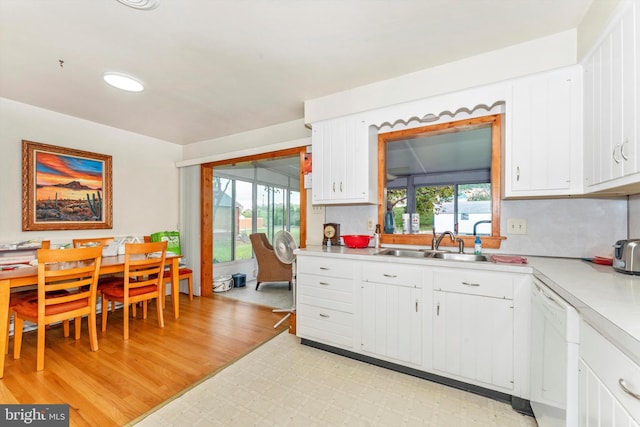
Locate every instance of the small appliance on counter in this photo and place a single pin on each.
(626, 256)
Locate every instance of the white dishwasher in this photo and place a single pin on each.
(554, 358)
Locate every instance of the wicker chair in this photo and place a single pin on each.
(270, 268)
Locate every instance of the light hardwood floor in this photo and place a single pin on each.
(125, 379)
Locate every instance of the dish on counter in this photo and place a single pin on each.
(356, 241)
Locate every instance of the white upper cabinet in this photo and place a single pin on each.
(611, 106)
(345, 168)
(542, 152)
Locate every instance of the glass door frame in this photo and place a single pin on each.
(206, 208)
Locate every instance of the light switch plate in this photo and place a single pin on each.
(516, 226)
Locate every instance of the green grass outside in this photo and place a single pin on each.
(222, 248)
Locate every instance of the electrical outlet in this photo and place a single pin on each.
(516, 226)
(370, 225)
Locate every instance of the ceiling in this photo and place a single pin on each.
(218, 67)
(466, 150)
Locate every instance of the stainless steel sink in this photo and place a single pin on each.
(430, 252)
(460, 257)
(403, 253)
(434, 254)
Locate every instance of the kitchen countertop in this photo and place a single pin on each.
(607, 300)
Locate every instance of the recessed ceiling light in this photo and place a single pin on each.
(141, 4)
(124, 82)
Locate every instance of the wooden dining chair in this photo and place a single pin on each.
(92, 241)
(142, 281)
(21, 295)
(67, 283)
(105, 280)
(184, 273)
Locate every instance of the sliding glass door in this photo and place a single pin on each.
(259, 197)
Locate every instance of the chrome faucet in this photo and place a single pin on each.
(436, 245)
(433, 239)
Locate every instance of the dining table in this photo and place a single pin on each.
(28, 276)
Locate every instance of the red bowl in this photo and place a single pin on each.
(356, 240)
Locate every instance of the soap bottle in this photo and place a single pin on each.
(477, 246)
(377, 236)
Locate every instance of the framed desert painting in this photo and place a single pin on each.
(65, 189)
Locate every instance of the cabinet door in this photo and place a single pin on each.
(630, 90)
(543, 151)
(473, 338)
(591, 108)
(344, 162)
(610, 105)
(392, 322)
(598, 407)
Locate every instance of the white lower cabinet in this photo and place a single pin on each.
(598, 407)
(457, 323)
(392, 312)
(325, 301)
(609, 383)
(473, 338)
(473, 327)
(392, 322)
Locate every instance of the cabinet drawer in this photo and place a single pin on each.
(327, 292)
(324, 325)
(325, 266)
(392, 274)
(474, 282)
(611, 366)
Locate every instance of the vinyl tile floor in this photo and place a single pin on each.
(273, 294)
(284, 383)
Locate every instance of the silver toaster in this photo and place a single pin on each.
(626, 256)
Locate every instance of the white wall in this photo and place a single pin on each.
(542, 54)
(566, 227)
(592, 24)
(145, 178)
(263, 140)
(574, 228)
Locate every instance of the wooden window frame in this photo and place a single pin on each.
(495, 121)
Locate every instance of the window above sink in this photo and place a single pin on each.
(448, 173)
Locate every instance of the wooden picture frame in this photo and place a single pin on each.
(65, 189)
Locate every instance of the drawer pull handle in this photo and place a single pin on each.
(392, 276)
(325, 268)
(623, 386)
(324, 315)
(471, 284)
(324, 283)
